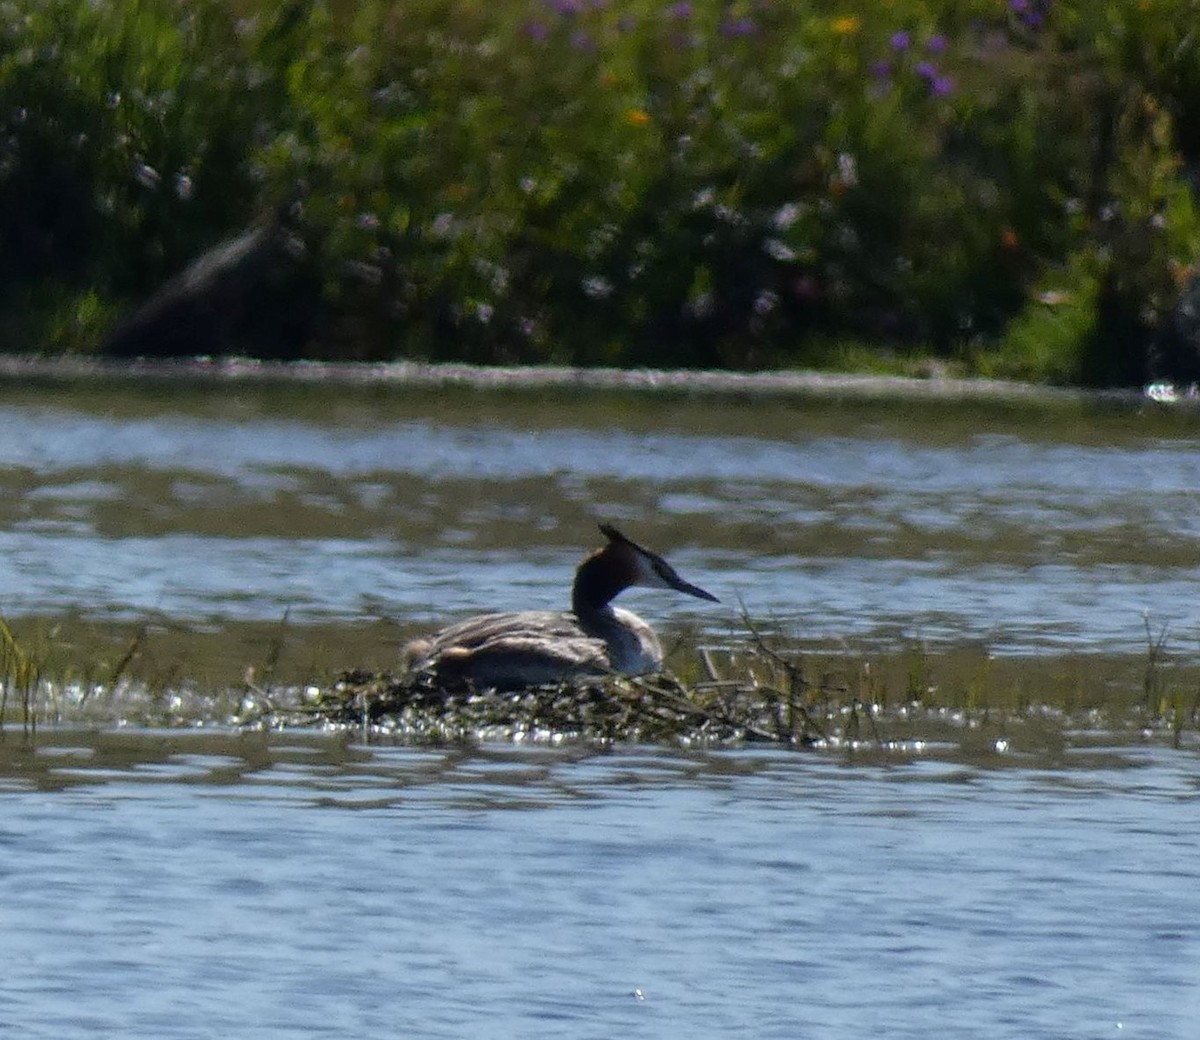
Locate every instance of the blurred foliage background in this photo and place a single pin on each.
(1005, 187)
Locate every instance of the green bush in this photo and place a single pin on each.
(125, 133)
(641, 183)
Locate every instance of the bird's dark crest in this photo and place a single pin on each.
(613, 535)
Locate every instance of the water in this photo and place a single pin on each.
(1026, 531)
(213, 883)
(190, 885)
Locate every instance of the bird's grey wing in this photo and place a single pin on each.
(518, 649)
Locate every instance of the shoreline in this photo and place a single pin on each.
(419, 375)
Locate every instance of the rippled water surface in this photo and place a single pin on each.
(182, 885)
(1012, 884)
(1026, 530)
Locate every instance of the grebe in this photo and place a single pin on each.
(529, 647)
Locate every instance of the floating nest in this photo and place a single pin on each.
(755, 694)
(771, 703)
(618, 709)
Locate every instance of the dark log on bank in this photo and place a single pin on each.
(257, 294)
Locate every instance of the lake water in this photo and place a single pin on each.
(184, 885)
(1023, 530)
(201, 883)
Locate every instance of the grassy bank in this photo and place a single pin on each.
(1004, 186)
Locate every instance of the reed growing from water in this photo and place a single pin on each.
(758, 693)
(20, 672)
(756, 687)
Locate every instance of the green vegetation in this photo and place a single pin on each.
(757, 688)
(759, 691)
(1005, 185)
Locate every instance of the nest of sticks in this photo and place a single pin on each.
(770, 700)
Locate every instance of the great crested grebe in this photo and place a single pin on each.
(528, 647)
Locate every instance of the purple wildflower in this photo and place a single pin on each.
(581, 41)
(881, 69)
(567, 8)
(537, 31)
(681, 11)
(900, 41)
(739, 27)
(1032, 13)
(925, 70)
(937, 44)
(941, 86)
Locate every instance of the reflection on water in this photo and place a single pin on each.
(1028, 530)
(178, 885)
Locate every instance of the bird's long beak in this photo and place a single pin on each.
(676, 582)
